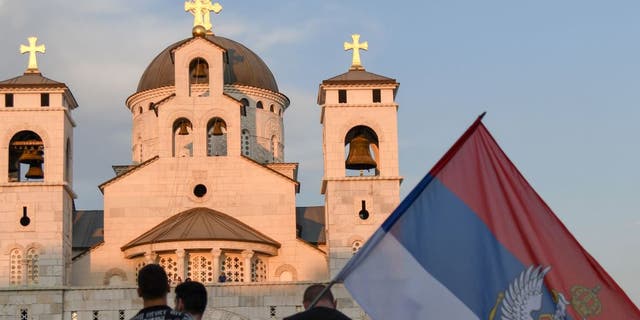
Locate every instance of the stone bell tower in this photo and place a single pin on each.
(36, 194)
(361, 181)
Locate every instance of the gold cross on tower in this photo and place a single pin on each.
(356, 46)
(201, 10)
(32, 49)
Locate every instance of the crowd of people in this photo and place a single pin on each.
(191, 299)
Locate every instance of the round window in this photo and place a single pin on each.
(200, 190)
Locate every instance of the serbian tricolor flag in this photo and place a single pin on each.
(473, 240)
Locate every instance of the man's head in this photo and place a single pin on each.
(313, 291)
(191, 297)
(152, 282)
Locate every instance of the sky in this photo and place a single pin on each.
(559, 81)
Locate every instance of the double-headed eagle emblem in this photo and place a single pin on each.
(525, 293)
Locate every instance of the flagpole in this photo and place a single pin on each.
(317, 298)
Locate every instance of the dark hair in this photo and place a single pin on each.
(314, 290)
(193, 295)
(153, 282)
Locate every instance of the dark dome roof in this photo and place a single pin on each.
(201, 224)
(242, 67)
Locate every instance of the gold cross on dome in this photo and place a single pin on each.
(201, 10)
(32, 49)
(356, 46)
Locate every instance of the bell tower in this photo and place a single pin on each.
(36, 192)
(361, 180)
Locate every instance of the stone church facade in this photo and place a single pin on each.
(208, 194)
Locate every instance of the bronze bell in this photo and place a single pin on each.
(219, 128)
(30, 156)
(359, 156)
(35, 171)
(200, 71)
(183, 129)
(34, 159)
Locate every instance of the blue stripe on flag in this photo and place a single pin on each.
(449, 240)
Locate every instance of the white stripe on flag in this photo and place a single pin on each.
(391, 284)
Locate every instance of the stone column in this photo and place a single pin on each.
(182, 272)
(247, 255)
(215, 260)
(150, 257)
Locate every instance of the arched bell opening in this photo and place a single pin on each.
(198, 74)
(182, 135)
(26, 157)
(216, 137)
(361, 152)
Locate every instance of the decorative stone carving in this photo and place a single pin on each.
(111, 274)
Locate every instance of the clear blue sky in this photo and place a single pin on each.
(559, 80)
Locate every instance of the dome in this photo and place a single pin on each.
(243, 67)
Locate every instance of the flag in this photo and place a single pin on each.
(473, 240)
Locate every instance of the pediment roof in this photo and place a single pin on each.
(31, 80)
(359, 77)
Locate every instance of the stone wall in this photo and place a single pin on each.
(226, 302)
(41, 304)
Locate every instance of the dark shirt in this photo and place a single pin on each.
(319, 313)
(160, 313)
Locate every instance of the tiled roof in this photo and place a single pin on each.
(31, 80)
(359, 77)
(201, 224)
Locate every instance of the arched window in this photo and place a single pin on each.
(26, 157)
(243, 107)
(280, 112)
(286, 272)
(115, 277)
(361, 152)
(216, 137)
(286, 276)
(271, 108)
(246, 145)
(259, 105)
(15, 261)
(200, 268)
(182, 138)
(258, 270)
(33, 271)
(198, 73)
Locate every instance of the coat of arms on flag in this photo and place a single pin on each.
(473, 240)
(524, 297)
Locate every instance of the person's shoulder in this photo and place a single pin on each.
(329, 313)
(177, 315)
(161, 313)
(294, 316)
(320, 313)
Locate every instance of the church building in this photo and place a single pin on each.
(209, 194)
